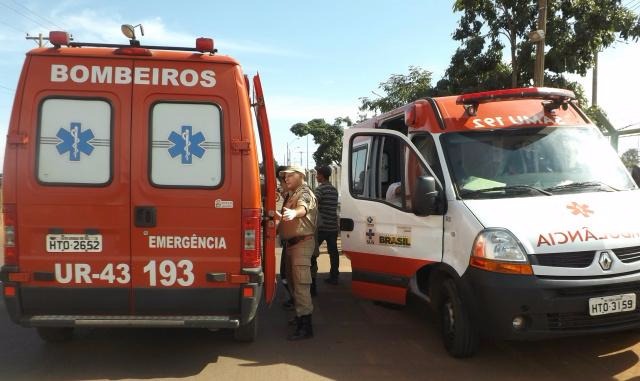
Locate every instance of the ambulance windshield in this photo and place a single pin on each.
(533, 162)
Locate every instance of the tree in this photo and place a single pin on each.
(576, 31)
(400, 89)
(327, 136)
(630, 158)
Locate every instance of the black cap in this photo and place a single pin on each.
(324, 170)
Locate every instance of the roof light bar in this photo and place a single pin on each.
(555, 97)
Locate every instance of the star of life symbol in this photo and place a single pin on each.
(186, 144)
(583, 209)
(370, 235)
(75, 141)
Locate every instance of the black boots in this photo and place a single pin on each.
(304, 330)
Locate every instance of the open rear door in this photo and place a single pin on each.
(269, 207)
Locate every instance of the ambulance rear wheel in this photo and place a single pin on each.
(55, 334)
(247, 333)
(458, 331)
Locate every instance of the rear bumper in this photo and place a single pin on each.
(215, 307)
(551, 307)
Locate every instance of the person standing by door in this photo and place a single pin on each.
(327, 196)
(298, 226)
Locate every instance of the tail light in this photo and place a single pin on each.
(10, 219)
(251, 256)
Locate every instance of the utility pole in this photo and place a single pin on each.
(538, 76)
(40, 39)
(594, 85)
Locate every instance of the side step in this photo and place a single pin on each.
(132, 321)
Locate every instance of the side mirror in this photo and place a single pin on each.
(424, 196)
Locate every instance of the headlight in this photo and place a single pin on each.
(499, 251)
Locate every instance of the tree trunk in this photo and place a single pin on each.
(514, 61)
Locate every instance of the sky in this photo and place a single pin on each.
(315, 58)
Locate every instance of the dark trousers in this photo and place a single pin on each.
(331, 238)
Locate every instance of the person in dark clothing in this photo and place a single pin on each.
(327, 197)
(284, 193)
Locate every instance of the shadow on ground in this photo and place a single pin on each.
(355, 340)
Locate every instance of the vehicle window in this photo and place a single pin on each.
(74, 142)
(533, 162)
(427, 147)
(186, 145)
(358, 168)
(393, 170)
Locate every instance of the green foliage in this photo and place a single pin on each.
(576, 31)
(327, 136)
(630, 158)
(598, 117)
(400, 89)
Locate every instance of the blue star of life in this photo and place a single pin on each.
(186, 144)
(75, 141)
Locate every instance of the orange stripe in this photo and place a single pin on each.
(373, 291)
(385, 264)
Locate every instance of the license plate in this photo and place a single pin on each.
(612, 304)
(74, 243)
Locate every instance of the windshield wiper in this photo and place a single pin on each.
(584, 185)
(509, 189)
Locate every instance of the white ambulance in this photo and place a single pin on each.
(508, 211)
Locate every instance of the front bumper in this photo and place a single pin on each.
(550, 306)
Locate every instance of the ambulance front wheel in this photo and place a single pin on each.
(55, 334)
(459, 333)
(247, 332)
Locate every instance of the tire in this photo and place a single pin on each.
(459, 333)
(247, 333)
(55, 334)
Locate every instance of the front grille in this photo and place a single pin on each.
(575, 259)
(600, 290)
(574, 321)
(628, 254)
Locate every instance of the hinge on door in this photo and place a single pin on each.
(241, 146)
(17, 139)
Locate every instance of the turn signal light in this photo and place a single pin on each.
(501, 267)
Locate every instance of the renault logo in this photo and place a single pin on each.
(605, 260)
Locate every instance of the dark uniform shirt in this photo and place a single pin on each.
(327, 197)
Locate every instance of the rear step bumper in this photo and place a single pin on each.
(131, 321)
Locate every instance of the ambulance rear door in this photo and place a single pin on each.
(269, 197)
(73, 187)
(185, 199)
(385, 240)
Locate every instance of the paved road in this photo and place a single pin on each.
(355, 340)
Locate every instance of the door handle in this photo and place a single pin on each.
(145, 216)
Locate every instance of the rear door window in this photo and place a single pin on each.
(74, 142)
(186, 145)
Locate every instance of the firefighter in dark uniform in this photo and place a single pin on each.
(297, 227)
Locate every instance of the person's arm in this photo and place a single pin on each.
(290, 214)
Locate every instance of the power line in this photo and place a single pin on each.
(25, 16)
(47, 20)
(6, 88)
(11, 26)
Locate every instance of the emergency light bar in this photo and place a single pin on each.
(202, 45)
(556, 97)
